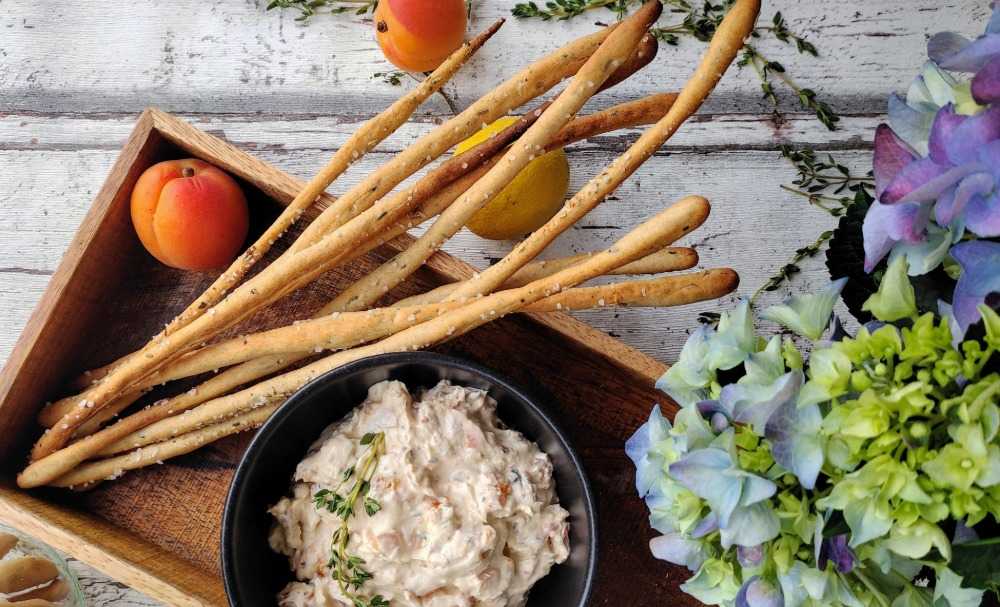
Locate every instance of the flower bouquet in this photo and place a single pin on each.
(868, 475)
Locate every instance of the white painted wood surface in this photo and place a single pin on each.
(74, 75)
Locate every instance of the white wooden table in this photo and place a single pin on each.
(74, 76)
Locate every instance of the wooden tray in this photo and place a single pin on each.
(158, 529)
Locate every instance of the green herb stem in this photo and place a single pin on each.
(348, 569)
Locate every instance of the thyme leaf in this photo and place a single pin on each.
(348, 569)
(309, 8)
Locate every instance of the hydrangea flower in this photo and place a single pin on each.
(834, 481)
(937, 167)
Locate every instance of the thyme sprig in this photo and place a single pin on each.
(785, 273)
(565, 9)
(699, 21)
(348, 569)
(825, 182)
(310, 8)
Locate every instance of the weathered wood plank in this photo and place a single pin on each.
(222, 56)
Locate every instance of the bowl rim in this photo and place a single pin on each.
(320, 383)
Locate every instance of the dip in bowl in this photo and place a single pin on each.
(255, 574)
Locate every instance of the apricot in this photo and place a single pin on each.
(418, 35)
(190, 215)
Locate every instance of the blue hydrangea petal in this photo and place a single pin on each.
(942, 129)
(675, 548)
(951, 204)
(909, 124)
(701, 472)
(755, 405)
(796, 442)
(886, 224)
(686, 381)
(750, 525)
(734, 339)
(980, 261)
(993, 27)
(982, 216)
(956, 53)
(925, 256)
(932, 189)
(922, 180)
(807, 315)
(758, 592)
(986, 84)
(968, 138)
(709, 524)
(750, 556)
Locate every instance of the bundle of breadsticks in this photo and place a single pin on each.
(85, 444)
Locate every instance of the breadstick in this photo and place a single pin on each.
(641, 111)
(671, 259)
(669, 225)
(367, 290)
(290, 272)
(340, 331)
(363, 140)
(522, 87)
(723, 48)
(109, 469)
(20, 574)
(628, 114)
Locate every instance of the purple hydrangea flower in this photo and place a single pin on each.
(937, 181)
(835, 549)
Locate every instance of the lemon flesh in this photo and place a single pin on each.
(531, 199)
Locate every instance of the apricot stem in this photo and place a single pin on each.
(187, 172)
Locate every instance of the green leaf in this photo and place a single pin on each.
(976, 563)
(368, 438)
(372, 506)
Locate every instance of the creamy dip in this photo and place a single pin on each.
(469, 515)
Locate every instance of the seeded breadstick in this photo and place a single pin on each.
(364, 139)
(293, 270)
(723, 48)
(598, 68)
(671, 259)
(354, 328)
(642, 111)
(345, 330)
(669, 225)
(109, 469)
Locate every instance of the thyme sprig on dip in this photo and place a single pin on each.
(348, 569)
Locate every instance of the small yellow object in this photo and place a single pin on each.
(531, 199)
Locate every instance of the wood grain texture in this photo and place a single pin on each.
(74, 76)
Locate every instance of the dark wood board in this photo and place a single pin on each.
(158, 528)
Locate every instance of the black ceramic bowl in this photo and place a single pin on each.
(254, 574)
